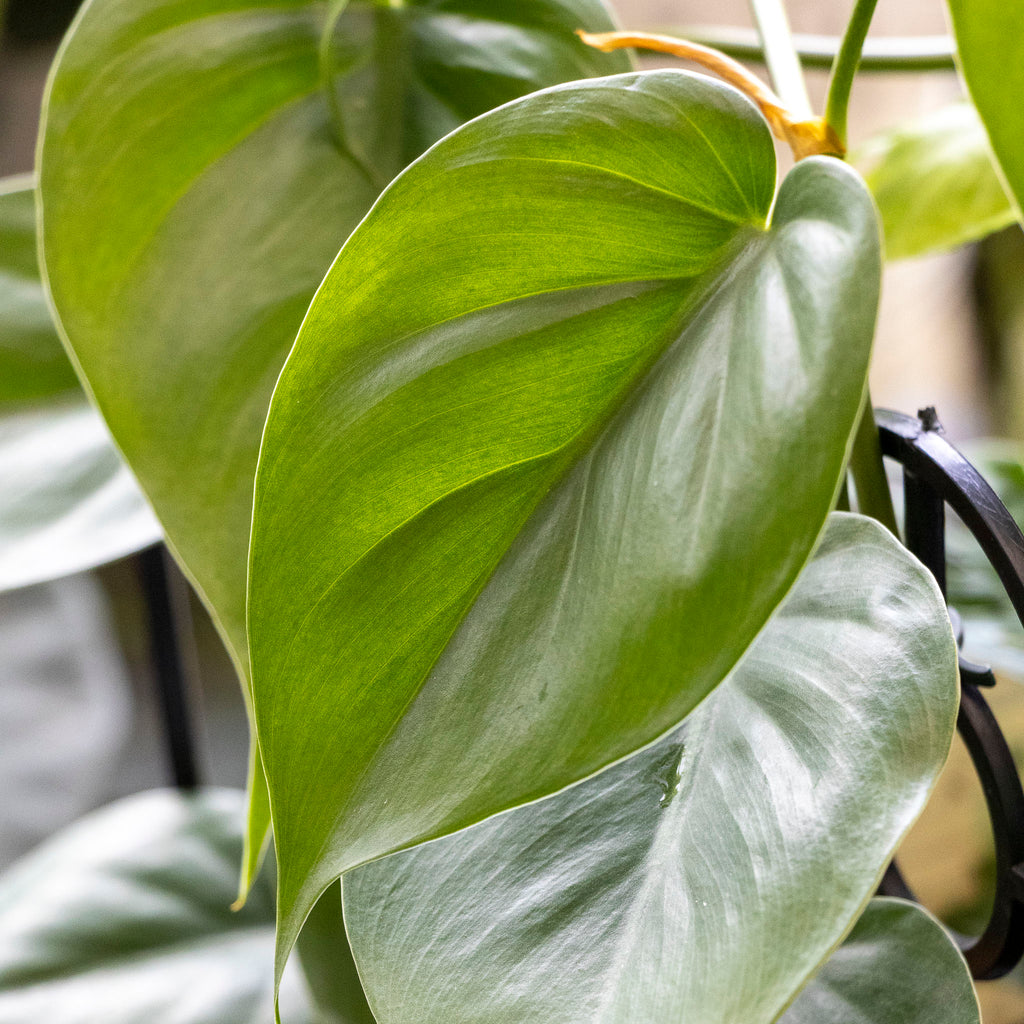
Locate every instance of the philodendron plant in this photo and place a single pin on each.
(518, 518)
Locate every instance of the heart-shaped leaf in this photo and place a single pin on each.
(198, 176)
(194, 192)
(706, 877)
(67, 501)
(518, 503)
(935, 183)
(897, 965)
(990, 50)
(125, 918)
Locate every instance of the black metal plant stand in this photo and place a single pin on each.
(165, 593)
(936, 474)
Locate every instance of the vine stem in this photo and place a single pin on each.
(866, 467)
(868, 471)
(805, 136)
(844, 68)
(781, 57)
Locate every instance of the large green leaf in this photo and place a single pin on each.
(194, 193)
(125, 918)
(33, 365)
(898, 965)
(67, 502)
(705, 878)
(934, 182)
(990, 48)
(518, 505)
(195, 187)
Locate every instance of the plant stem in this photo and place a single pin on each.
(806, 136)
(781, 57)
(844, 68)
(866, 467)
(868, 471)
(892, 53)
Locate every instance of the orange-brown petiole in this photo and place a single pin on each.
(805, 137)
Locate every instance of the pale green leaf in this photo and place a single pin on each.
(934, 182)
(898, 966)
(518, 503)
(67, 500)
(705, 878)
(125, 918)
(990, 51)
(195, 185)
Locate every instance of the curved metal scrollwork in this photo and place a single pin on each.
(936, 474)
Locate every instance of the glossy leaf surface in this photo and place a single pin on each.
(897, 965)
(67, 501)
(517, 510)
(199, 170)
(33, 365)
(124, 918)
(935, 183)
(706, 877)
(990, 47)
(194, 191)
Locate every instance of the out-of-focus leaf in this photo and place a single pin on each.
(898, 966)
(199, 170)
(517, 510)
(67, 501)
(125, 918)
(706, 877)
(935, 183)
(990, 51)
(33, 364)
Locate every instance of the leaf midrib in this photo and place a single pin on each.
(716, 279)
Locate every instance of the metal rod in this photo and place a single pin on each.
(170, 633)
(924, 526)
